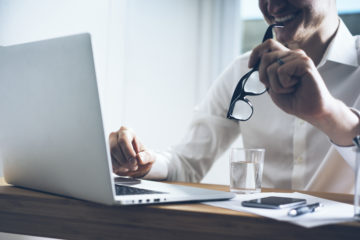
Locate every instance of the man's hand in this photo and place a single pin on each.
(293, 81)
(296, 86)
(129, 156)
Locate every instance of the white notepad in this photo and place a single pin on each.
(331, 212)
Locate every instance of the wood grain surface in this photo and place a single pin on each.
(29, 212)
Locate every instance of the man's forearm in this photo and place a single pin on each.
(340, 123)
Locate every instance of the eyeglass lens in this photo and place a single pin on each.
(240, 107)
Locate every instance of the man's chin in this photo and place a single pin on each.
(286, 37)
(285, 40)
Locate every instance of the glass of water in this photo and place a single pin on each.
(246, 168)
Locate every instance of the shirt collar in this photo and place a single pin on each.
(342, 48)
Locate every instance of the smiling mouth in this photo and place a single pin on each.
(286, 18)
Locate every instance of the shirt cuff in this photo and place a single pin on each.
(159, 169)
(348, 152)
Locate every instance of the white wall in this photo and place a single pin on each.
(160, 69)
(174, 50)
(154, 59)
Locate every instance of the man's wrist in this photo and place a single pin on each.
(341, 124)
(159, 169)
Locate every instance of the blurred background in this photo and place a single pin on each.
(155, 59)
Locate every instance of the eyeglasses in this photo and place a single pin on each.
(240, 108)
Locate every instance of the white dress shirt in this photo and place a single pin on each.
(298, 155)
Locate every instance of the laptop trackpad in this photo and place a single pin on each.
(126, 181)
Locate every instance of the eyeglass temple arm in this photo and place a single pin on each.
(269, 32)
(239, 86)
(268, 35)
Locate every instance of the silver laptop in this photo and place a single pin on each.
(51, 129)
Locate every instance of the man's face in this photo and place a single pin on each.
(302, 18)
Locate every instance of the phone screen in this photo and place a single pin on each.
(274, 202)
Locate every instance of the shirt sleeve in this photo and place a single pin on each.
(349, 152)
(209, 135)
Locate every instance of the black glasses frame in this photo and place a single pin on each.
(239, 92)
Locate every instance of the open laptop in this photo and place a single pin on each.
(51, 129)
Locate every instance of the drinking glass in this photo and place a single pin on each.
(246, 168)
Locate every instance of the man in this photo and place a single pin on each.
(313, 78)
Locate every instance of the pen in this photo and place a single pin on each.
(303, 209)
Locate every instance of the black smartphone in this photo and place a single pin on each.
(274, 202)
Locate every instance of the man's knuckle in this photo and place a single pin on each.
(306, 58)
(265, 58)
(280, 70)
(270, 70)
(269, 42)
(123, 128)
(122, 140)
(300, 51)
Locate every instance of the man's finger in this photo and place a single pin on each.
(286, 79)
(116, 153)
(137, 145)
(273, 80)
(122, 153)
(125, 144)
(268, 63)
(145, 157)
(266, 47)
(141, 172)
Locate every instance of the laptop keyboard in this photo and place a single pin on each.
(126, 190)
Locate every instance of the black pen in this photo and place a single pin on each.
(303, 209)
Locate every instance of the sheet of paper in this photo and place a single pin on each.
(331, 211)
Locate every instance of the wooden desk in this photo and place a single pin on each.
(39, 214)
